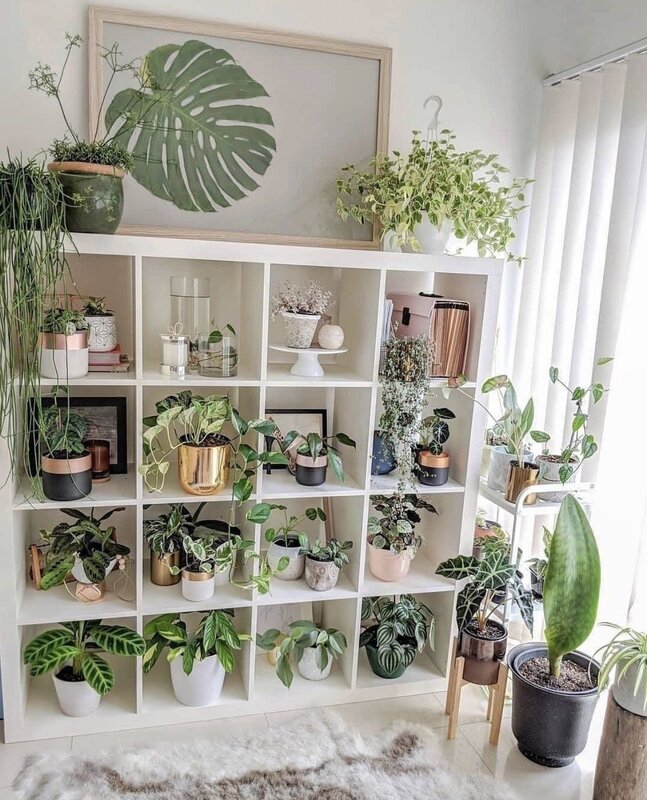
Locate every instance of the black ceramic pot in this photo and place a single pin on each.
(68, 478)
(482, 655)
(551, 726)
(433, 470)
(311, 471)
(383, 457)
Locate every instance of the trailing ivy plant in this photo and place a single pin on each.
(435, 181)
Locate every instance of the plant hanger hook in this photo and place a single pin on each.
(432, 128)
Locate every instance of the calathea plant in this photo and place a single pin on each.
(61, 432)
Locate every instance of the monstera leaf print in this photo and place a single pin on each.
(195, 141)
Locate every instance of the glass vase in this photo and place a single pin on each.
(218, 359)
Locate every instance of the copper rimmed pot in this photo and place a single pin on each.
(204, 469)
(433, 470)
(311, 471)
(482, 654)
(67, 478)
(520, 478)
(64, 357)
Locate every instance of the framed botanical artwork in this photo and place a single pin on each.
(245, 130)
(304, 420)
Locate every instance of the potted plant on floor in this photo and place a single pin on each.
(314, 649)
(431, 458)
(199, 661)
(538, 567)
(324, 562)
(102, 327)
(64, 345)
(81, 676)
(284, 553)
(492, 580)
(405, 389)
(626, 653)
(398, 630)
(420, 198)
(164, 536)
(314, 454)
(65, 463)
(554, 685)
(392, 540)
(301, 308)
(559, 468)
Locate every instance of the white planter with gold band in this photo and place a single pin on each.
(64, 357)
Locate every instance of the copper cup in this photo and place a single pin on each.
(519, 478)
(100, 455)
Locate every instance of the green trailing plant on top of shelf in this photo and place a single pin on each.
(328, 642)
(80, 643)
(627, 651)
(64, 320)
(85, 539)
(395, 529)
(436, 181)
(215, 636)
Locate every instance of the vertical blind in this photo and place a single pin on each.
(584, 296)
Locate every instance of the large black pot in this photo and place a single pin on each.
(311, 471)
(551, 726)
(67, 478)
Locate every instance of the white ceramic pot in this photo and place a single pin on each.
(203, 686)
(388, 566)
(549, 473)
(623, 692)
(221, 578)
(78, 571)
(331, 337)
(497, 477)
(294, 569)
(433, 241)
(64, 357)
(321, 575)
(102, 333)
(197, 586)
(390, 243)
(299, 329)
(76, 698)
(308, 668)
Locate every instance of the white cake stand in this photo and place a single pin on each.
(307, 364)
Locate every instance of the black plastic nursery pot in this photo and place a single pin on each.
(551, 726)
(433, 470)
(311, 471)
(383, 457)
(67, 478)
(483, 654)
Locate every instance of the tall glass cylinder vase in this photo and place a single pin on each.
(191, 307)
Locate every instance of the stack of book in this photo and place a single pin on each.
(109, 361)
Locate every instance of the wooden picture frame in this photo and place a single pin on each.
(353, 56)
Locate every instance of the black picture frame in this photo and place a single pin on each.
(272, 413)
(84, 406)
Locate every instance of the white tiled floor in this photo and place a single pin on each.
(469, 752)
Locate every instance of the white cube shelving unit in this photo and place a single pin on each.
(134, 272)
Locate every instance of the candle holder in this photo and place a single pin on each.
(174, 353)
(100, 455)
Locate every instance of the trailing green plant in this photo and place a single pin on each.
(539, 565)
(437, 182)
(165, 533)
(32, 266)
(314, 445)
(405, 390)
(581, 444)
(61, 432)
(289, 530)
(96, 547)
(97, 307)
(216, 635)
(66, 321)
(572, 583)
(434, 430)
(398, 628)
(334, 551)
(395, 530)
(80, 643)
(626, 651)
(329, 643)
(492, 581)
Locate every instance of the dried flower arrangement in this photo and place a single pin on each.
(311, 299)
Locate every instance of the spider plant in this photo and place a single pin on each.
(627, 654)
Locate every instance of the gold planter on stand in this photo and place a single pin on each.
(204, 469)
(519, 478)
(160, 573)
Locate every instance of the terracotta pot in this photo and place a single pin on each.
(482, 656)
(520, 477)
(388, 566)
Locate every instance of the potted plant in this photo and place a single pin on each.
(164, 536)
(405, 389)
(63, 345)
(419, 199)
(324, 562)
(561, 467)
(488, 534)
(81, 676)
(555, 687)
(432, 460)
(83, 548)
(314, 453)
(65, 463)
(398, 629)
(284, 553)
(199, 565)
(626, 653)
(102, 328)
(392, 541)
(199, 661)
(538, 567)
(301, 308)
(492, 580)
(382, 454)
(218, 353)
(314, 649)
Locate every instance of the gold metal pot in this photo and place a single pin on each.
(204, 469)
(519, 478)
(160, 573)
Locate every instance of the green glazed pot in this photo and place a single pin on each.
(94, 196)
(371, 652)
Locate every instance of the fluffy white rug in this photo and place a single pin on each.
(318, 758)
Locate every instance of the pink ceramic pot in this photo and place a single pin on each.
(387, 566)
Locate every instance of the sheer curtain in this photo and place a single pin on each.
(584, 296)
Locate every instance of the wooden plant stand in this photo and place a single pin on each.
(496, 696)
(621, 772)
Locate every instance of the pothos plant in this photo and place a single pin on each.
(395, 530)
(435, 181)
